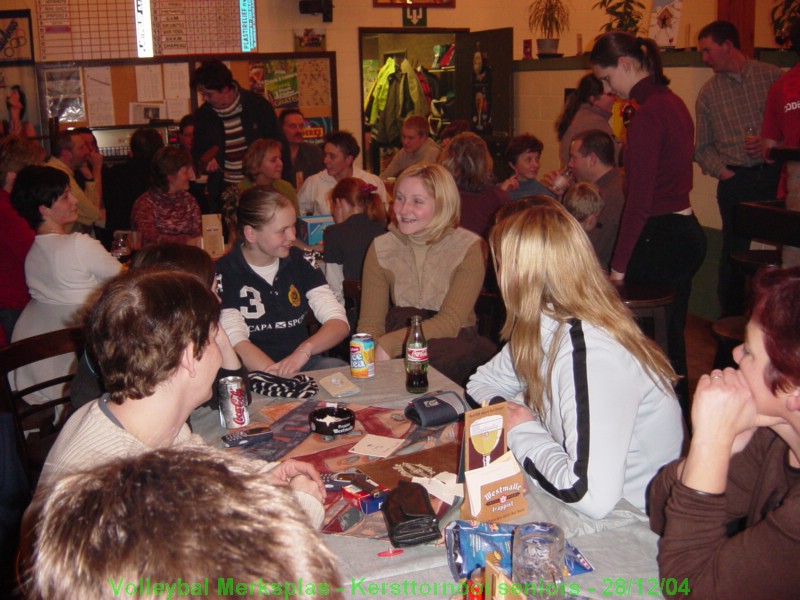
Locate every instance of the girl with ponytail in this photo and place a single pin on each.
(660, 241)
(360, 217)
(588, 108)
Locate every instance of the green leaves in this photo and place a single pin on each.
(548, 17)
(625, 14)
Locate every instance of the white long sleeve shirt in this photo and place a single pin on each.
(609, 427)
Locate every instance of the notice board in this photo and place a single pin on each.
(129, 92)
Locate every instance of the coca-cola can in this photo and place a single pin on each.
(233, 411)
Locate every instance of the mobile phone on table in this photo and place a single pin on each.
(247, 436)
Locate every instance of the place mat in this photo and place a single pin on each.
(292, 439)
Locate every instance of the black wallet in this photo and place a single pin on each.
(436, 409)
(409, 515)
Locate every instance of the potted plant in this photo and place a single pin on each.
(625, 15)
(783, 14)
(549, 18)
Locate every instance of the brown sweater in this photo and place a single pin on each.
(452, 276)
(762, 560)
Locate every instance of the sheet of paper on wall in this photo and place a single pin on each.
(99, 96)
(143, 112)
(149, 87)
(176, 80)
(176, 108)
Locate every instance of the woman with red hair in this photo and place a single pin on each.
(729, 513)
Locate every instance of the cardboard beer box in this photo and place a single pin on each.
(310, 228)
(494, 486)
(212, 235)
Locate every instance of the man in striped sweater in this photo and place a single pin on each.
(230, 119)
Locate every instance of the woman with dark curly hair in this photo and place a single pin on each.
(167, 212)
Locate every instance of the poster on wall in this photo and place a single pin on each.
(64, 92)
(664, 19)
(19, 102)
(16, 34)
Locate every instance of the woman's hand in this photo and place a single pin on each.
(291, 365)
(517, 414)
(510, 184)
(723, 411)
(308, 477)
(230, 360)
(616, 276)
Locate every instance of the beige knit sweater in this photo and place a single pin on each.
(92, 436)
(450, 281)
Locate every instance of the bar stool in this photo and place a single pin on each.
(650, 302)
(729, 333)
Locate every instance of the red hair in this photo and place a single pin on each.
(776, 309)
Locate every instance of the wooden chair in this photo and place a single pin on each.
(33, 448)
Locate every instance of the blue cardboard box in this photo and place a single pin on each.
(309, 229)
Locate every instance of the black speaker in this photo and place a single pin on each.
(314, 7)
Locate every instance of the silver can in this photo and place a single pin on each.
(233, 411)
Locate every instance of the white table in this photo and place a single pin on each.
(624, 547)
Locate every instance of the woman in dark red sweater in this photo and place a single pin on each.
(660, 240)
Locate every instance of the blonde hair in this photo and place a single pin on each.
(582, 200)
(189, 513)
(439, 183)
(257, 207)
(546, 265)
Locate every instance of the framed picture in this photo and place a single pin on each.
(16, 37)
(405, 3)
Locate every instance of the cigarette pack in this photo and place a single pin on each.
(366, 502)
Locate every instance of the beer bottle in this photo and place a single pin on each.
(416, 359)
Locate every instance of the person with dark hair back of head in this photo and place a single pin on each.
(196, 515)
(452, 130)
(729, 512)
(729, 113)
(127, 181)
(230, 119)
(339, 154)
(782, 127)
(154, 336)
(660, 241)
(167, 212)
(417, 147)
(524, 155)
(301, 159)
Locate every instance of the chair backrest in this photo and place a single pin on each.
(25, 352)
(351, 290)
